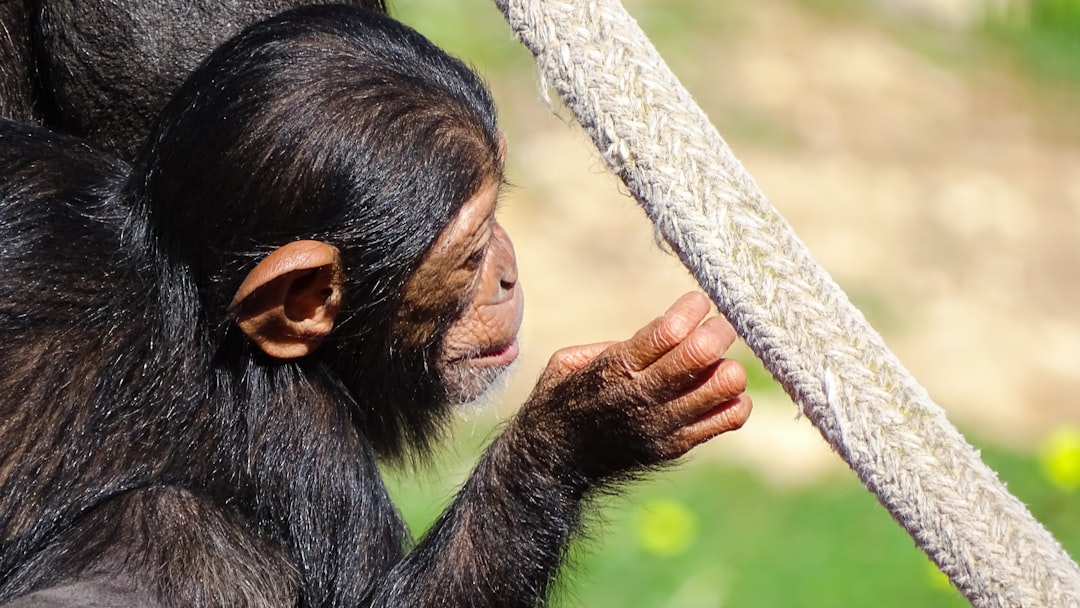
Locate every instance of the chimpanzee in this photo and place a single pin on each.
(206, 352)
(104, 70)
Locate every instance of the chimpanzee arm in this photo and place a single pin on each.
(598, 414)
(499, 544)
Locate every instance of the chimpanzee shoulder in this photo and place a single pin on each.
(60, 224)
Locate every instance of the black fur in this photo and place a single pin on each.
(17, 68)
(104, 70)
(146, 446)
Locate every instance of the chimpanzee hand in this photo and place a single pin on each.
(611, 408)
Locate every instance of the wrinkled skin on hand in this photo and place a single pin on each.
(617, 407)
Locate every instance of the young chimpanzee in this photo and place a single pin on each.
(104, 70)
(204, 354)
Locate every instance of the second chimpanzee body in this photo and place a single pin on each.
(205, 353)
(104, 70)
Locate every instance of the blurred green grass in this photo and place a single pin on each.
(1043, 36)
(711, 534)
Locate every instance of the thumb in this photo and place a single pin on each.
(566, 361)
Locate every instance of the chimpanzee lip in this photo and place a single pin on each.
(501, 354)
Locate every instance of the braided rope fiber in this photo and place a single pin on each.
(788, 309)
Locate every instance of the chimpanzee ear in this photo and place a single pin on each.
(289, 301)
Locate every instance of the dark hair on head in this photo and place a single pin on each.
(330, 123)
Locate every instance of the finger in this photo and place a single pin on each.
(719, 384)
(664, 333)
(566, 361)
(728, 416)
(573, 358)
(692, 359)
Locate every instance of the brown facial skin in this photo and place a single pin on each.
(474, 256)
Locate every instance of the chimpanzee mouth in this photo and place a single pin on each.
(503, 354)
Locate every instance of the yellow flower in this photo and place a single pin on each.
(1060, 458)
(666, 527)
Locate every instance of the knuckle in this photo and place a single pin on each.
(732, 418)
(736, 419)
(742, 411)
(704, 348)
(675, 446)
(614, 369)
(732, 376)
(670, 330)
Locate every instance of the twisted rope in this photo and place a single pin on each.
(787, 308)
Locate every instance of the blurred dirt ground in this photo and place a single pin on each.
(942, 192)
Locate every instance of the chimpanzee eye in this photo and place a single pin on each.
(476, 257)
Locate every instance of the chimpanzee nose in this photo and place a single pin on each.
(506, 262)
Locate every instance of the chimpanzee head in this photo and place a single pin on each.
(328, 180)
